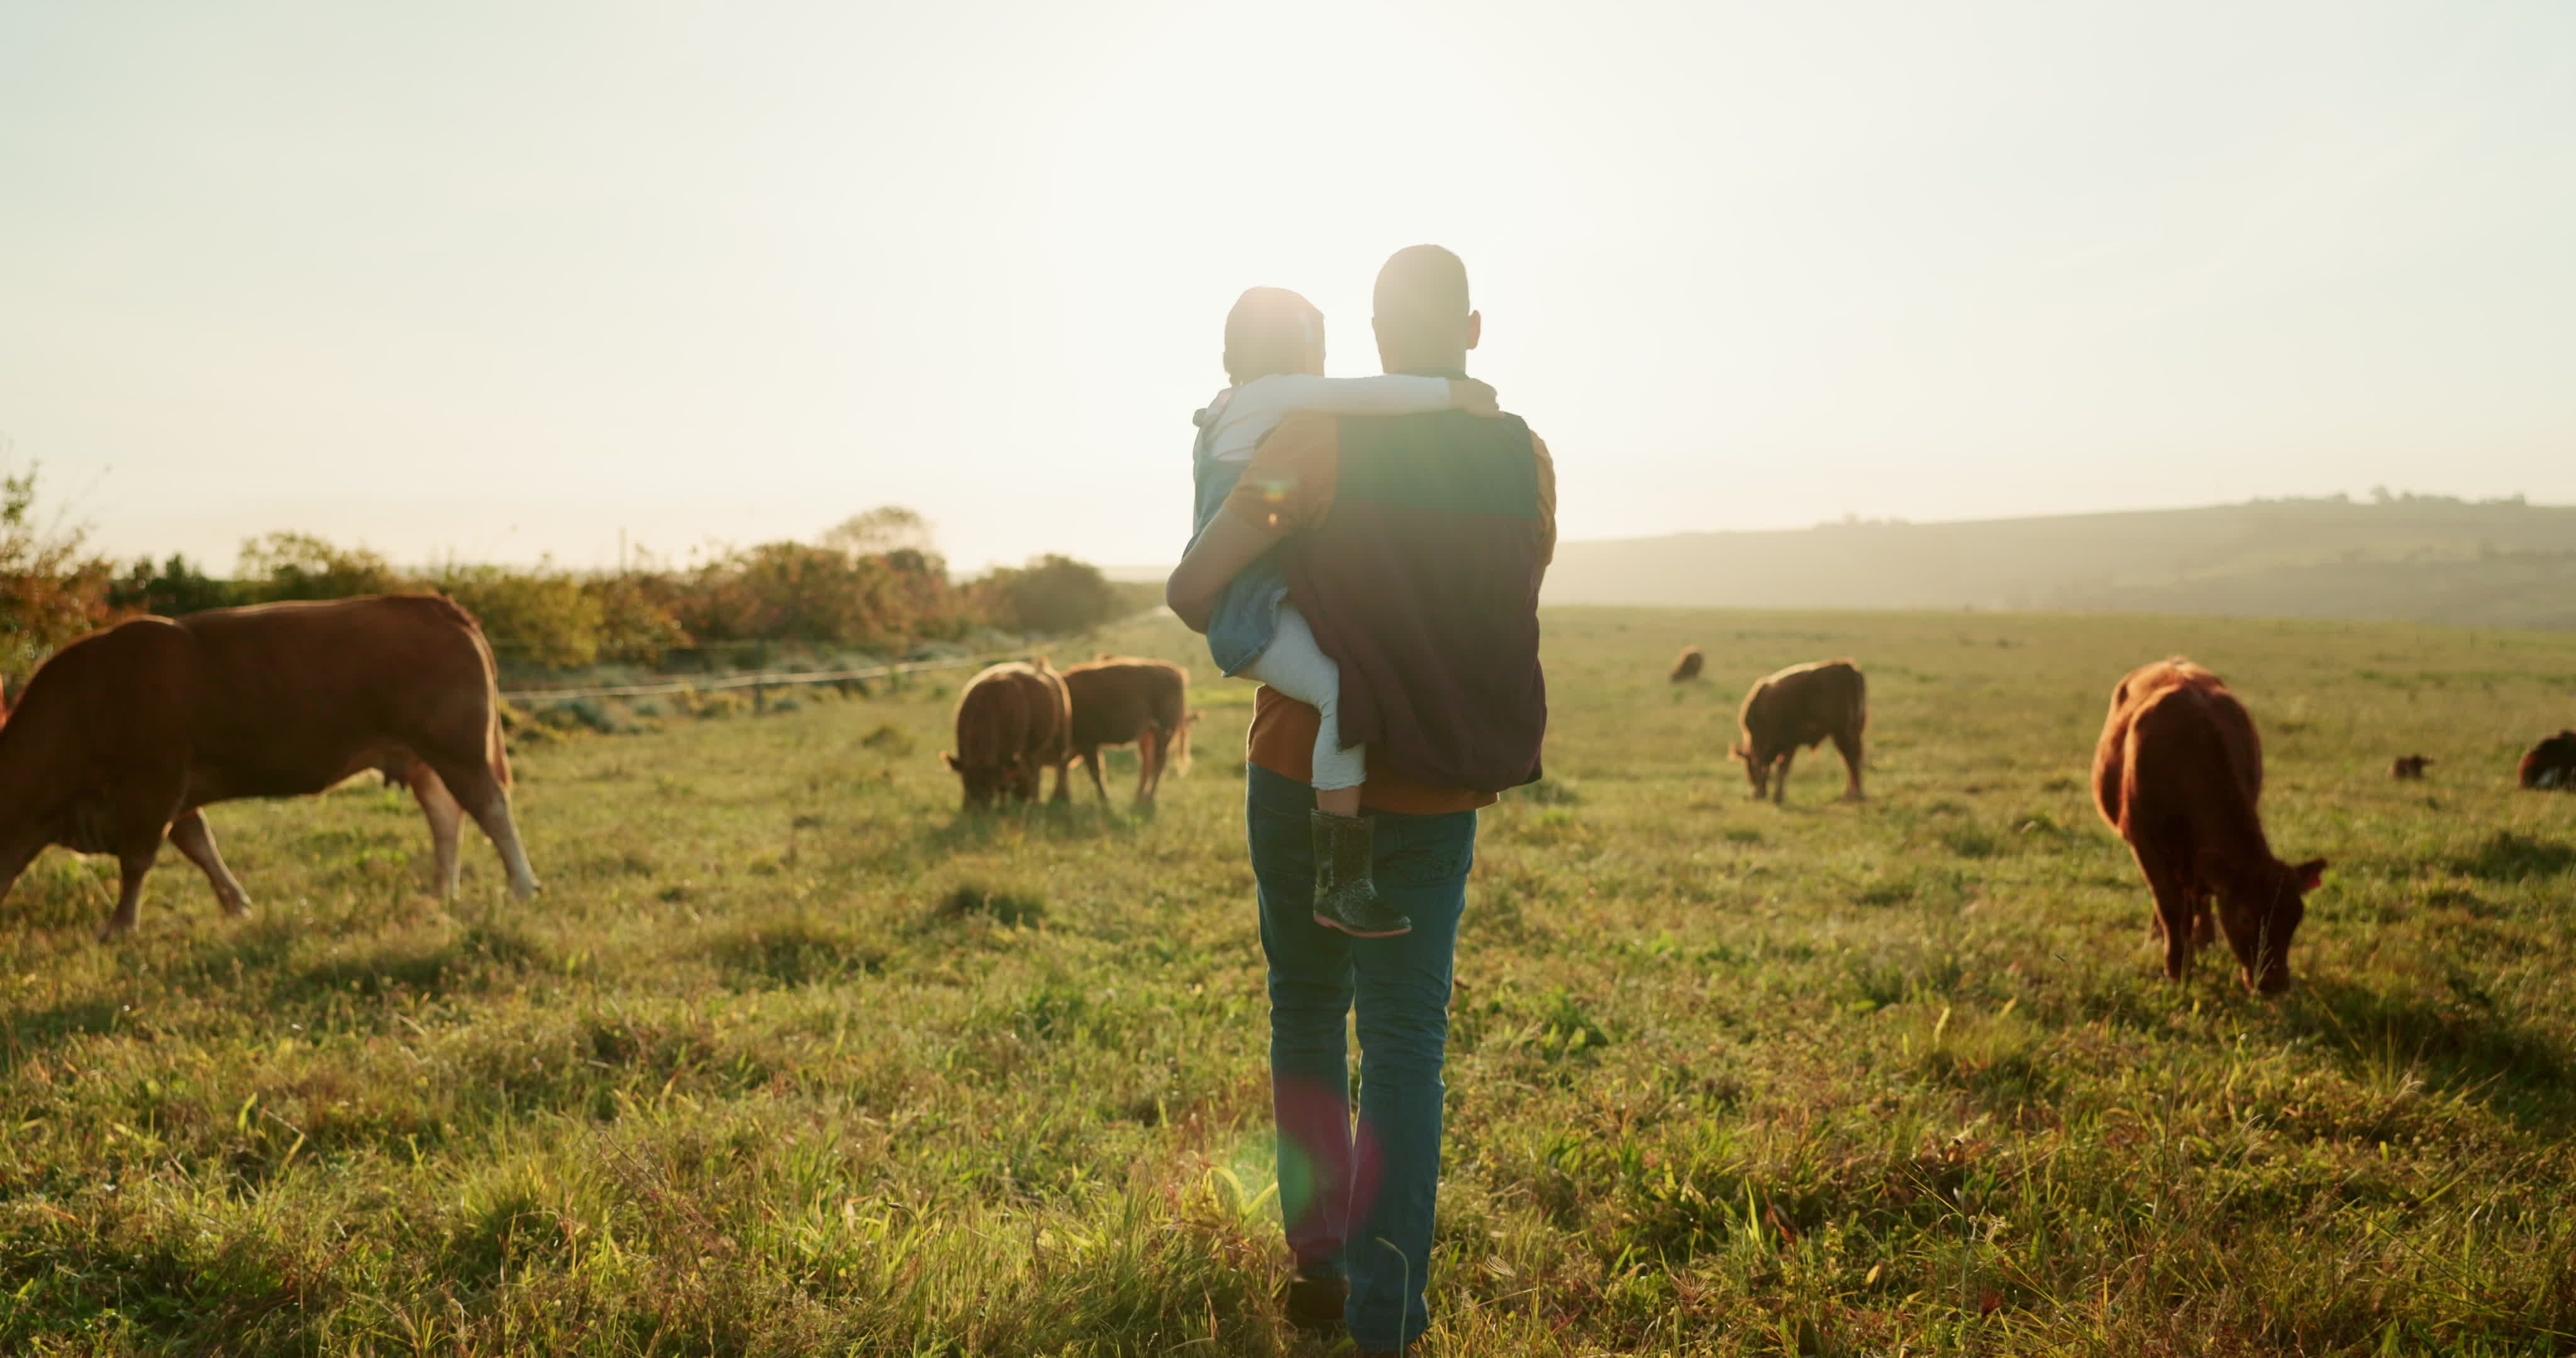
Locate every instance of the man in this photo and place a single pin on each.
(1413, 545)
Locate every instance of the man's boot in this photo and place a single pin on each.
(1314, 1305)
(1345, 898)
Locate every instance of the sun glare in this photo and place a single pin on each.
(1231, 149)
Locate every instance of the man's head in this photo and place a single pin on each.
(1423, 320)
(1272, 331)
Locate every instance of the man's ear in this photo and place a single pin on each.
(1475, 327)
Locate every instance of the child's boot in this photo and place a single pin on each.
(1345, 897)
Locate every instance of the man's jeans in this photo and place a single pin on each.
(1359, 1205)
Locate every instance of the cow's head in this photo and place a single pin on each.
(987, 782)
(1757, 768)
(2260, 912)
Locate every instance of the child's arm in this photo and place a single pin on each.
(1389, 394)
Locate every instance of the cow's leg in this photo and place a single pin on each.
(472, 784)
(191, 836)
(133, 862)
(1091, 764)
(15, 855)
(1847, 744)
(1150, 750)
(2175, 902)
(1780, 777)
(446, 819)
(494, 816)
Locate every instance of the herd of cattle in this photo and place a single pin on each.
(1016, 720)
(122, 736)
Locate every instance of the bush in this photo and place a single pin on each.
(302, 566)
(637, 625)
(874, 583)
(1051, 594)
(50, 590)
(542, 617)
(173, 589)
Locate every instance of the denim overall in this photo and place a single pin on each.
(1247, 612)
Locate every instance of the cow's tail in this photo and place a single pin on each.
(495, 749)
(1180, 759)
(1859, 702)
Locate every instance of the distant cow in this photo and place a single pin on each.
(2408, 768)
(1122, 699)
(1800, 708)
(125, 733)
(2551, 763)
(1686, 666)
(1013, 722)
(2178, 773)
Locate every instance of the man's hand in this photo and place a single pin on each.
(1474, 397)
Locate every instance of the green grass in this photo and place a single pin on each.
(791, 1059)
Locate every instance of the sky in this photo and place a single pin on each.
(500, 282)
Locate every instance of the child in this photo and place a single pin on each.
(1274, 358)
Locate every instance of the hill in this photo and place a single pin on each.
(2409, 559)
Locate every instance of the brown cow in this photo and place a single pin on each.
(2549, 764)
(1686, 666)
(1013, 722)
(2407, 768)
(125, 733)
(1799, 708)
(2178, 773)
(1118, 699)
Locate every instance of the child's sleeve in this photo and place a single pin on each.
(1390, 394)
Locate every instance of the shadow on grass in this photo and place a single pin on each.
(787, 953)
(2518, 1075)
(2510, 857)
(472, 955)
(44, 1029)
(1050, 820)
(1011, 908)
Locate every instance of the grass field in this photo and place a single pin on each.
(789, 1058)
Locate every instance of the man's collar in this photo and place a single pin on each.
(1453, 374)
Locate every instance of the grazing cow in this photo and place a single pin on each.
(1013, 722)
(125, 733)
(2408, 768)
(1686, 666)
(1119, 699)
(2551, 763)
(2178, 772)
(1799, 708)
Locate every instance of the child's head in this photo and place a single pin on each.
(1270, 331)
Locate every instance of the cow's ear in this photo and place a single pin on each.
(2312, 874)
(949, 757)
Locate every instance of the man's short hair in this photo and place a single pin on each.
(1270, 330)
(1422, 287)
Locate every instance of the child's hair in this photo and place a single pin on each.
(1270, 330)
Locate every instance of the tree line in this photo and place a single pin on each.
(874, 582)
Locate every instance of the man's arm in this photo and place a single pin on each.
(1384, 394)
(1546, 500)
(1229, 544)
(1288, 485)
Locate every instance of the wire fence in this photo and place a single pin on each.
(759, 683)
